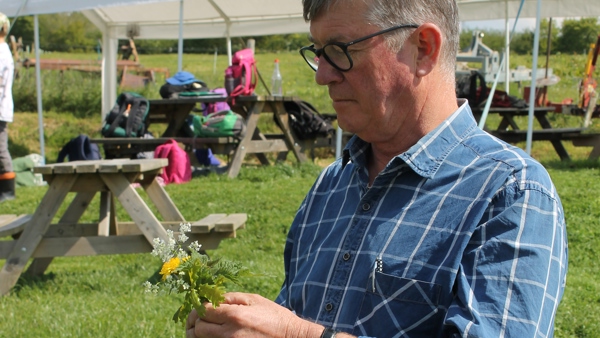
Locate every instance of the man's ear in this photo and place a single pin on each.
(429, 45)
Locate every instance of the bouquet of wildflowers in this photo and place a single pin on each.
(188, 272)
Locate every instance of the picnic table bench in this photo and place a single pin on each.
(37, 236)
(508, 130)
(174, 113)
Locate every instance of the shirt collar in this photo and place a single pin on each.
(428, 154)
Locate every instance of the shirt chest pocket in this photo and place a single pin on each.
(394, 305)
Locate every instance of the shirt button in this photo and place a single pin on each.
(346, 256)
(329, 307)
(366, 206)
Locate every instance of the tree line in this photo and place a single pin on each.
(72, 32)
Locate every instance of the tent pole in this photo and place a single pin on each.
(109, 70)
(488, 102)
(38, 86)
(229, 53)
(507, 52)
(536, 43)
(180, 42)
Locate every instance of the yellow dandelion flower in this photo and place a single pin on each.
(169, 267)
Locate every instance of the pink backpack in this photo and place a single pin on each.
(179, 169)
(241, 76)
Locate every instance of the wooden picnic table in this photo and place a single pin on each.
(174, 113)
(509, 130)
(36, 237)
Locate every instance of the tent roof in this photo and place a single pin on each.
(159, 19)
(497, 9)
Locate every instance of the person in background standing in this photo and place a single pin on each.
(7, 68)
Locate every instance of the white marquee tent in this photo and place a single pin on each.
(158, 19)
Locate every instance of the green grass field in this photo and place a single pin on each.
(102, 296)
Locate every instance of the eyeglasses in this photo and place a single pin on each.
(336, 53)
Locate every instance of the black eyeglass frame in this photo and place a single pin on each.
(344, 47)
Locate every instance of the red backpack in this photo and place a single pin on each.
(241, 76)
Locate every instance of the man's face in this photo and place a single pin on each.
(371, 99)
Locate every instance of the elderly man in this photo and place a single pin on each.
(427, 226)
(7, 67)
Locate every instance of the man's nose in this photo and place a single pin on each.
(327, 74)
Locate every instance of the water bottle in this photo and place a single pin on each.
(229, 81)
(276, 81)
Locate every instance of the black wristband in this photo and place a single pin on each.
(328, 333)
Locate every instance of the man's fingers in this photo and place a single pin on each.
(191, 320)
(238, 298)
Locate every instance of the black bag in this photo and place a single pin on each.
(171, 91)
(128, 116)
(306, 121)
(79, 149)
(467, 87)
(473, 88)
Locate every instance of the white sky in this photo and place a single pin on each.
(523, 24)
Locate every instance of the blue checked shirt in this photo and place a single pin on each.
(462, 235)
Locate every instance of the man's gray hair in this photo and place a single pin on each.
(388, 13)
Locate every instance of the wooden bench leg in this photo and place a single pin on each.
(589, 142)
(33, 232)
(72, 215)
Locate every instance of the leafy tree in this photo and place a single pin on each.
(286, 42)
(554, 33)
(494, 39)
(522, 43)
(577, 35)
(23, 28)
(154, 46)
(67, 32)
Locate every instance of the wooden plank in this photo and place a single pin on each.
(231, 223)
(240, 152)
(72, 215)
(281, 116)
(33, 232)
(144, 165)
(135, 206)
(135, 166)
(591, 141)
(14, 225)
(88, 166)
(268, 146)
(112, 166)
(121, 141)
(71, 230)
(6, 218)
(163, 202)
(91, 246)
(206, 224)
(105, 214)
(88, 183)
(100, 245)
(64, 168)
(130, 228)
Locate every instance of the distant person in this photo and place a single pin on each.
(427, 226)
(7, 69)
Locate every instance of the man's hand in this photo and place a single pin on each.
(249, 315)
